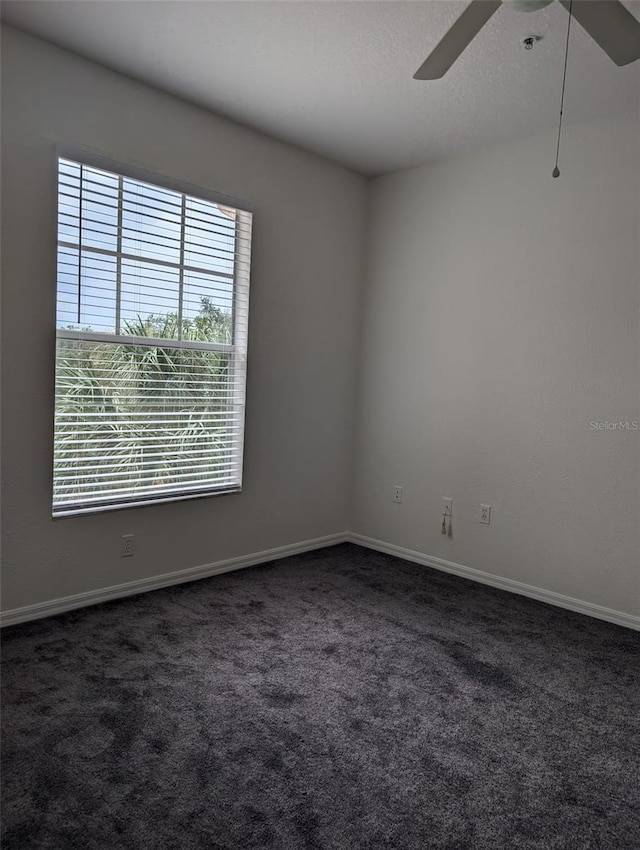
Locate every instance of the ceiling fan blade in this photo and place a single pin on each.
(611, 26)
(461, 34)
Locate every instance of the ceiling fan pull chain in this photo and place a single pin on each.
(556, 170)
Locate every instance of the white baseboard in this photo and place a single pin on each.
(549, 596)
(93, 597)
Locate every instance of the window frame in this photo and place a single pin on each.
(238, 348)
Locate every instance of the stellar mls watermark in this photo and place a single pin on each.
(614, 425)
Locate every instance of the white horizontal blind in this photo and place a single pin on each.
(151, 339)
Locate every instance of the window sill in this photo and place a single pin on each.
(63, 513)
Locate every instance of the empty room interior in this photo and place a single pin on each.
(320, 424)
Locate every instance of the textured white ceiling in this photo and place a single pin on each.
(336, 77)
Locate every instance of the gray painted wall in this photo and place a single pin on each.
(308, 255)
(501, 318)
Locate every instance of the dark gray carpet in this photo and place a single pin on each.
(339, 699)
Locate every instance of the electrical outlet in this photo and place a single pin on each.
(397, 495)
(126, 546)
(485, 514)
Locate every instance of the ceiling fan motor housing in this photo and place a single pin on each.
(529, 5)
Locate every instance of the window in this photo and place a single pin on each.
(151, 341)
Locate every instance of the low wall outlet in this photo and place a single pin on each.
(126, 546)
(485, 514)
(397, 495)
